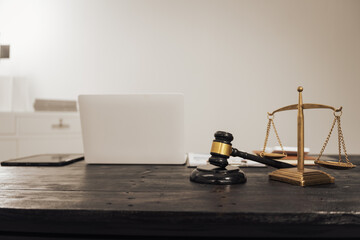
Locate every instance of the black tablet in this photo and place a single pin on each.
(44, 160)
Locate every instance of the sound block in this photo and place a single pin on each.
(210, 174)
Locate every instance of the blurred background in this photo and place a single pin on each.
(234, 60)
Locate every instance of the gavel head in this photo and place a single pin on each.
(221, 149)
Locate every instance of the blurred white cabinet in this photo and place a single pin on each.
(28, 133)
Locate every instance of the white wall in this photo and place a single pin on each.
(233, 60)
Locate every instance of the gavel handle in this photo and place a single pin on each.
(266, 161)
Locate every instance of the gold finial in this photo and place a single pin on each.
(300, 89)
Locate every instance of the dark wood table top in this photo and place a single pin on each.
(157, 200)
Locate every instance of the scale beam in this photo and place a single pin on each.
(305, 106)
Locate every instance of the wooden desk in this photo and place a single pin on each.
(82, 200)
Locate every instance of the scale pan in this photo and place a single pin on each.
(335, 165)
(273, 155)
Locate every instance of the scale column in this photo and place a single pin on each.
(300, 133)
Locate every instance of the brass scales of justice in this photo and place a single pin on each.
(300, 175)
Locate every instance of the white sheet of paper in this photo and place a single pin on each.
(197, 159)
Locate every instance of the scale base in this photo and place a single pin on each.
(210, 174)
(303, 178)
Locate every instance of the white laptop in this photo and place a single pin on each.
(133, 128)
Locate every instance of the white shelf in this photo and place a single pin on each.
(29, 133)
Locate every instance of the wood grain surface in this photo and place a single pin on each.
(159, 200)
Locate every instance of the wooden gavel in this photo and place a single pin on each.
(222, 149)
